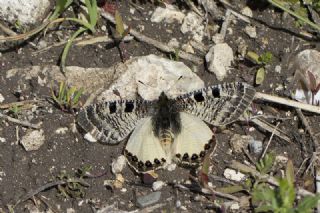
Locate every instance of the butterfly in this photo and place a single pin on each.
(167, 130)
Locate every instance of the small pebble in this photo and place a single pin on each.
(1, 98)
(61, 130)
(2, 140)
(233, 175)
(148, 199)
(255, 146)
(118, 165)
(158, 185)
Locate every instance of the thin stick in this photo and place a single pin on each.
(159, 45)
(18, 104)
(287, 102)
(271, 180)
(270, 139)
(23, 123)
(207, 192)
(270, 128)
(49, 185)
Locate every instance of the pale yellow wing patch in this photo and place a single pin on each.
(143, 150)
(191, 144)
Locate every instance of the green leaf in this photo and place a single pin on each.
(60, 7)
(260, 75)
(265, 58)
(308, 203)
(290, 172)
(253, 56)
(265, 164)
(119, 24)
(67, 47)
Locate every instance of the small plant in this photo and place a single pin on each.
(85, 24)
(14, 111)
(264, 165)
(72, 189)
(282, 199)
(67, 98)
(261, 60)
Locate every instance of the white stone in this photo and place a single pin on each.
(89, 138)
(247, 12)
(251, 31)
(158, 185)
(277, 69)
(118, 165)
(218, 38)
(174, 43)
(25, 11)
(33, 140)
(149, 76)
(234, 175)
(188, 48)
(192, 23)
(61, 130)
(1, 98)
(168, 14)
(219, 60)
(2, 140)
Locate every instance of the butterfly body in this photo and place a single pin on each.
(167, 130)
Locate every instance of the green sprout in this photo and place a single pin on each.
(15, 110)
(282, 199)
(262, 60)
(85, 25)
(264, 165)
(67, 98)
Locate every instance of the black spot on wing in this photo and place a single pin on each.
(216, 92)
(129, 106)
(112, 107)
(198, 96)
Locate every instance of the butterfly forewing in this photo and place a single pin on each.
(219, 104)
(111, 122)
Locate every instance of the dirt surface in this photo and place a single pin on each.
(22, 171)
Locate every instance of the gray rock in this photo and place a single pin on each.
(25, 11)
(168, 14)
(33, 140)
(149, 76)
(192, 23)
(219, 60)
(255, 146)
(148, 199)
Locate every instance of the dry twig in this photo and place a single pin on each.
(287, 102)
(17, 121)
(270, 139)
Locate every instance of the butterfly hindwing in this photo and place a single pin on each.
(111, 122)
(143, 149)
(194, 140)
(218, 104)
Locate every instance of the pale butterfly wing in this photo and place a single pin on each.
(111, 122)
(219, 104)
(143, 149)
(194, 140)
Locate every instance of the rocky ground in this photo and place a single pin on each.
(40, 143)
